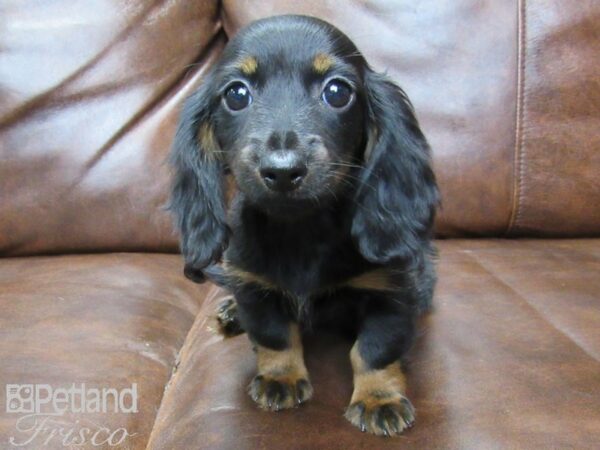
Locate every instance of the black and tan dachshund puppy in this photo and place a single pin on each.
(332, 219)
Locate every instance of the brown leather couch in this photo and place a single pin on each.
(91, 285)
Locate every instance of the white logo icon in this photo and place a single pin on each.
(20, 398)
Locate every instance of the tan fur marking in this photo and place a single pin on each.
(243, 276)
(248, 65)
(377, 280)
(322, 63)
(379, 404)
(282, 380)
(285, 365)
(231, 189)
(372, 136)
(374, 387)
(206, 137)
(247, 277)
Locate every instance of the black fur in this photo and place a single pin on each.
(198, 192)
(368, 201)
(393, 221)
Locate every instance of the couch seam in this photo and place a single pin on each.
(519, 149)
(199, 320)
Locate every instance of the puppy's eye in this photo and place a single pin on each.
(337, 93)
(237, 96)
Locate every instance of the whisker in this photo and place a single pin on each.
(332, 192)
(352, 177)
(346, 165)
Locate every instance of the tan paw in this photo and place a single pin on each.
(381, 414)
(275, 393)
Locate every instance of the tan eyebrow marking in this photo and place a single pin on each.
(322, 63)
(248, 65)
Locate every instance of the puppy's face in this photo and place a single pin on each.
(289, 117)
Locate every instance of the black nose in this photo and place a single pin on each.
(282, 170)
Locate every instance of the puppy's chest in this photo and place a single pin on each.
(302, 263)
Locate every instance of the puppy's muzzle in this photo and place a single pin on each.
(282, 170)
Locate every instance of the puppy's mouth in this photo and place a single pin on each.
(286, 182)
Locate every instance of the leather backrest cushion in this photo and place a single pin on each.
(89, 97)
(557, 158)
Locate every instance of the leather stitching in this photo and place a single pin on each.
(520, 151)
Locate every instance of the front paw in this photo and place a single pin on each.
(383, 415)
(276, 393)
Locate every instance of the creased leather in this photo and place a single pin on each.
(89, 98)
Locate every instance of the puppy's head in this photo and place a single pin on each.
(288, 116)
(295, 113)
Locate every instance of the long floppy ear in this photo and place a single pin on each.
(398, 195)
(197, 197)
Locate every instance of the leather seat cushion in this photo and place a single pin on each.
(104, 320)
(508, 358)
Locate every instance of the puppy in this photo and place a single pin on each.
(333, 215)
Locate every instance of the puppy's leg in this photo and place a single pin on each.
(282, 379)
(379, 404)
